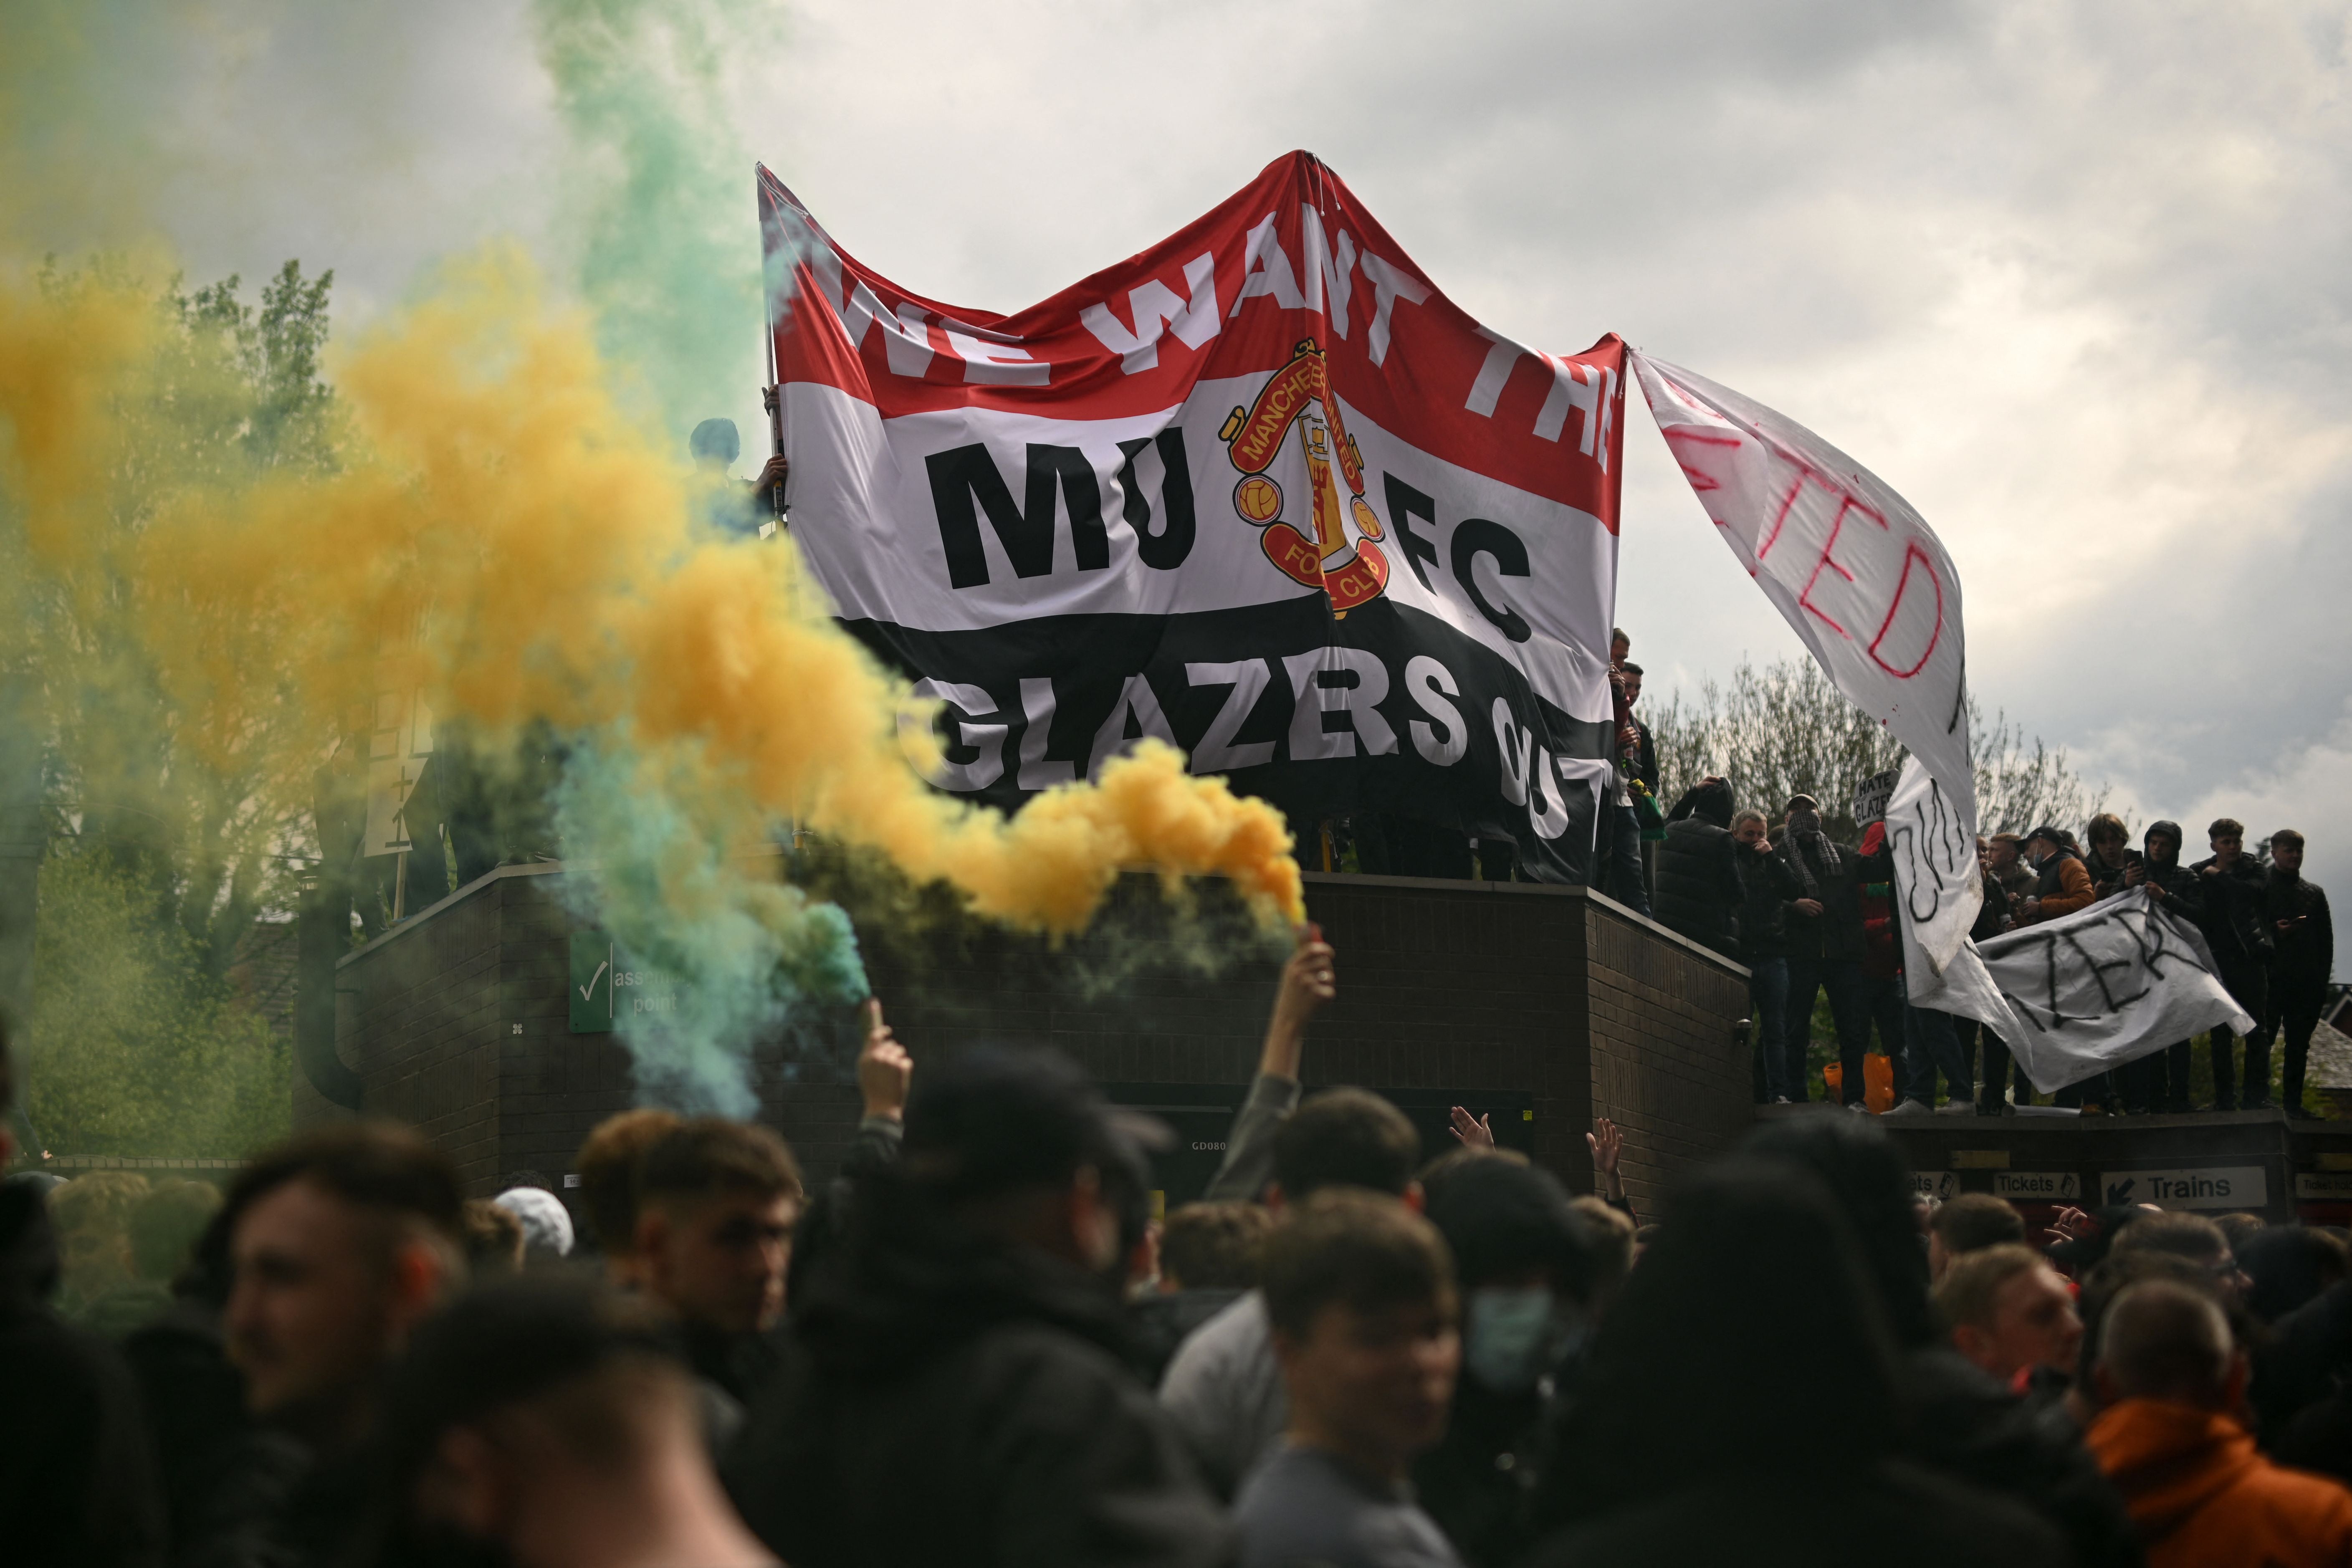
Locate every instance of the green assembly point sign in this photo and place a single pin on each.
(603, 993)
(593, 1008)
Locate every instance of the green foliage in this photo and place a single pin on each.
(286, 422)
(204, 832)
(1785, 729)
(165, 844)
(136, 1046)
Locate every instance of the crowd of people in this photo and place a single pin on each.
(975, 1343)
(1808, 915)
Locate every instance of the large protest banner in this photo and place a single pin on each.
(1859, 577)
(2077, 995)
(1261, 490)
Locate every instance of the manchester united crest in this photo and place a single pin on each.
(1336, 551)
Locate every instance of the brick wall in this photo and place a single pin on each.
(1543, 997)
(1666, 1064)
(423, 1026)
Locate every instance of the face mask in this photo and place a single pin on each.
(1511, 1338)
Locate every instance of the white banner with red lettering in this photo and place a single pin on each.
(1865, 582)
(1261, 490)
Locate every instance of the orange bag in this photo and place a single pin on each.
(1878, 1082)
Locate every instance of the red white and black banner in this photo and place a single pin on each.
(1261, 490)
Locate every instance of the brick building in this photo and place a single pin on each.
(1539, 1006)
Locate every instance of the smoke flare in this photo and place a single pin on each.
(489, 490)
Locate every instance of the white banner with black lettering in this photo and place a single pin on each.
(1260, 491)
(2088, 992)
(1853, 568)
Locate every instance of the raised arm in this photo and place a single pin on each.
(1309, 980)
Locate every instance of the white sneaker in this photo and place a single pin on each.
(1859, 1108)
(1911, 1108)
(1957, 1108)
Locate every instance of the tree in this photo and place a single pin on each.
(202, 822)
(169, 835)
(1785, 729)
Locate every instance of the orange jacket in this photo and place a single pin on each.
(2201, 1494)
(2076, 891)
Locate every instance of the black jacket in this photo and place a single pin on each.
(1964, 1425)
(1157, 1324)
(2232, 919)
(1836, 933)
(1646, 757)
(2176, 887)
(825, 1223)
(1767, 888)
(223, 1474)
(2306, 951)
(943, 1399)
(1992, 915)
(1699, 893)
(76, 1475)
(1479, 1483)
(2108, 880)
(1887, 1513)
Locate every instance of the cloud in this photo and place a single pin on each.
(2075, 277)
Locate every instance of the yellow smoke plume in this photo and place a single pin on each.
(489, 490)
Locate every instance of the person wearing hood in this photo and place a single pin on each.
(2295, 911)
(2158, 1082)
(1824, 926)
(1744, 1405)
(953, 1386)
(2243, 944)
(2173, 1377)
(1527, 1267)
(1960, 1422)
(1699, 891)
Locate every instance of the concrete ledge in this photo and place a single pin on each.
(2304, 1165)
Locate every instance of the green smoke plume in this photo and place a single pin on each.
(658, 855)
(658, 193)
(658, 189)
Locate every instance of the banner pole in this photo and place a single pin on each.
(772, 395)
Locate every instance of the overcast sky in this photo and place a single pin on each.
(2073, 278)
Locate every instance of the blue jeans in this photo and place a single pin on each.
(1620, 860)
(1841, 978)
(1933, 1046)
(1767, 999)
